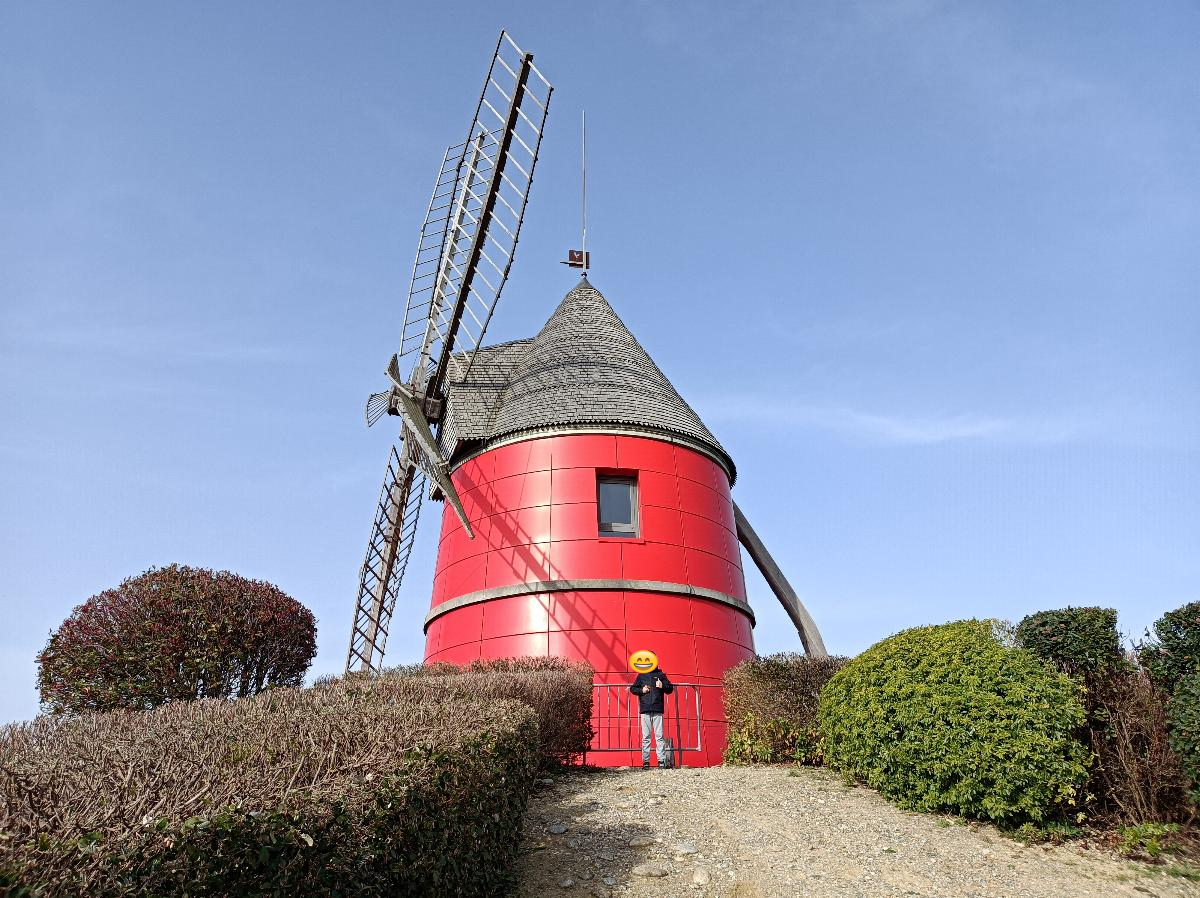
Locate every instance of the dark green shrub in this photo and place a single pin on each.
(1075, 640)
(558, 690)
(1184, 714)
(771, 707)
(945, 718)
(367, 788)
(1173, 651)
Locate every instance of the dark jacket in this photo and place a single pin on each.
(651, 702)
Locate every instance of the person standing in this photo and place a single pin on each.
(650, 688)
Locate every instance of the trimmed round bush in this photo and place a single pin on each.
(946, 718)
(1075, 640)
(173, 634)
(1173, 651)
(771, 706)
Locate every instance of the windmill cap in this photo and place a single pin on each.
(585, 368)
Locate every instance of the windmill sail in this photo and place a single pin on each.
(464, 255)
(392, 536)
(474, 219)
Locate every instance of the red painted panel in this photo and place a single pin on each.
(540, 454)
(505, 493)
(715, 656)
(517, 564)
(717, 620)
(652, 561)
(585, 451)
(461, 625)
(700, 500)
(605, 650)
(515, 614)
(676, 654)
(704, 533)
(438, 593)
(585, 560)
(652, 610)
(587, 610)
(510, 460)
(517, 646)
(573, 485)
(536, 489)
(707, 570)
(745, 634)
(662, 525)
(712, 705)
(433, 638)
(579, 520)
(737, 582)
(474, 472)
(697, 468)
(464, 576)
(459, 654)
(521, 527)
(636, 453)
(714, 737)
(657, 489)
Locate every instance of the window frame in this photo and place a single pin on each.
(612, 529)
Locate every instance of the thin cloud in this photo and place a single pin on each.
(908, 430)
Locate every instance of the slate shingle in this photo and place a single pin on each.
(583, 368)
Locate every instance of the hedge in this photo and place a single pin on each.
(1075, 640)
(1172, 653)
(946, 718)
(771, 707)
(558, 690)
(1184, 714)
(391, 787)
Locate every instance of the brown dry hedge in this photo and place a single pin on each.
(771, 706)
(558, 690)
(395, 786)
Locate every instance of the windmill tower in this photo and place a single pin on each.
(587, 511)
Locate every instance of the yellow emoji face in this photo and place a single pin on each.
(643, 661)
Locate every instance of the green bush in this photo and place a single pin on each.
(1173, 651)
(1075, 640)
(771, 707)
(946, 718)
(365, 788)
(1183, 712)
(558, 690)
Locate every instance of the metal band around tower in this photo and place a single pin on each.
(539, 586)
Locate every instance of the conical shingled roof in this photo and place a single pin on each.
(586, 368)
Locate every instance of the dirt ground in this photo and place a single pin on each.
(771, 832)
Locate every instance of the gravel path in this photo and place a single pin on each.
(764, 832)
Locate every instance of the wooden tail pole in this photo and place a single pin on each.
(810, 636)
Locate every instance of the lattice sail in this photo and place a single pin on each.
(392, 537)
(474, 220)
(463, 258)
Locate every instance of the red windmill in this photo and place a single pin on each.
(588, 510)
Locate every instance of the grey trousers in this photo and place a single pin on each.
(653, 722)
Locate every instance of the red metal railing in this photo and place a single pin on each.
(617, 724)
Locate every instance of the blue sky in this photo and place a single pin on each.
(929, 270)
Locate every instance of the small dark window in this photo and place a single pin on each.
(618, 505)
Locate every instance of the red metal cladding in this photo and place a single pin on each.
(534, 511)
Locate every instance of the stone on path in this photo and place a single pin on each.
(683, 848)
(556, 828)
(641, 841)
(701, 877)
(652, 870)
